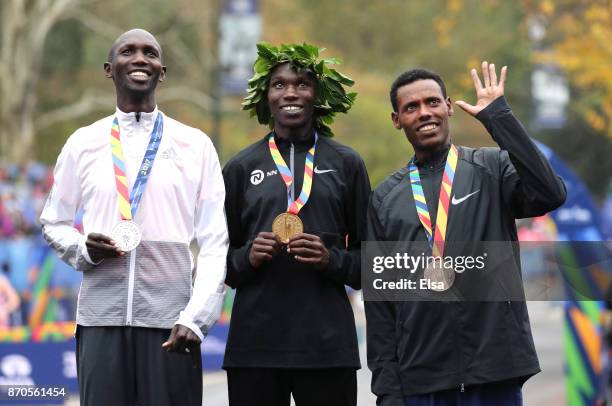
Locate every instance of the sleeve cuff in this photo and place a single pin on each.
(185, 320)
(245, 263)
(498, 105)
(334, 259)
(85, 253)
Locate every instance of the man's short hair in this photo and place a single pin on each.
(412, 76)
(111, 53)
(113, 49)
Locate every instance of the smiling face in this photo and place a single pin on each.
(291, 98)
(135, 64)
(423, 114)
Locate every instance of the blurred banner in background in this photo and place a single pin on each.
(578, 221)
(240, 31)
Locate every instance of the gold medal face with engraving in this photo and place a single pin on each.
(440, 278)
(286, 226)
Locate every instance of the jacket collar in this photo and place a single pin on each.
(129, 122)
(299, 146)
(437, 160)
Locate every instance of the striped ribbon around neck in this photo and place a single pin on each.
(294, 206)
(129, 202)
(438, 237)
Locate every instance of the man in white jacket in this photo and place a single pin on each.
(147, 186)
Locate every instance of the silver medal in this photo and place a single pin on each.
(126, 235)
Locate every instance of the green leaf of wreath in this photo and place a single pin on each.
(331, 97)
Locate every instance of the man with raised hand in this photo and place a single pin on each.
(147, 186)
(296, 207)
(455, 352)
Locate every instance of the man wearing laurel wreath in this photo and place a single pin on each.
(296, 207)
(147, 186)
(439, 352)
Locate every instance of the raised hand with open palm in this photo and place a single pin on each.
(486, 94)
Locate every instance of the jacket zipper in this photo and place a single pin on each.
(461, 363)
(130, 298)
(292, 164)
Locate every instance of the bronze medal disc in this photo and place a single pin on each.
(440, 278)
(287, 225)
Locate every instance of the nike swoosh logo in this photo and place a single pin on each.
(317, 170)
(456, 201)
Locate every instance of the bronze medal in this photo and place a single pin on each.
(286, 226)
(440, 278)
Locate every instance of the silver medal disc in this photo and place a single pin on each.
(126, 235)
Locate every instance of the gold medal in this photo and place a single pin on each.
(440, 278)
(286, 226)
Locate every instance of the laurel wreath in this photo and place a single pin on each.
(330, 95)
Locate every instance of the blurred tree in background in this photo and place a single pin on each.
(578, 34)
(577, 39)
(25, 28)
(52, 81)
(51, 58)
(450, 37)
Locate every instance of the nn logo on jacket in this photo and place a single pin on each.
(257, 176)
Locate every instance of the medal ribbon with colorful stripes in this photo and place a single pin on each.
(294, 207)
(129, 202)
(436, 241)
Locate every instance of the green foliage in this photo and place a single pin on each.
(376, 40)
(440, 35)
(379, 40)
(331, 98)
(577, 39)
(66, 55)
(586, 150)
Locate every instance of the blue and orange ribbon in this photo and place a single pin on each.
(438, 237)
(129, 202)
(294, 206)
